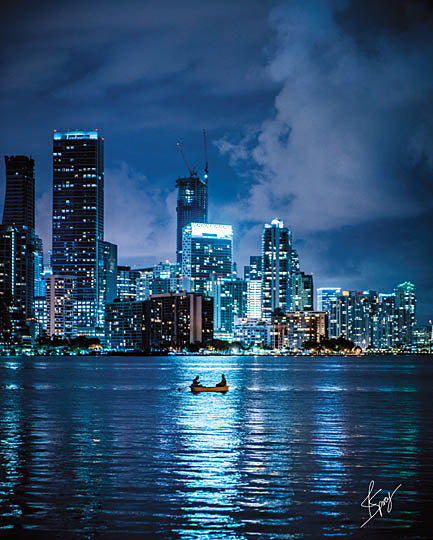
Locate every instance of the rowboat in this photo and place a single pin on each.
(221, 389)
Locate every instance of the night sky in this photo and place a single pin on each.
(320, 113)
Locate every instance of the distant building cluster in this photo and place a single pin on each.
(199, 301)
(369, 319)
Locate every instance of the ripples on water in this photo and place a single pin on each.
(109, 448)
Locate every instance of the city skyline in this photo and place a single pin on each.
(85, 284)
(216, 297)
(87, 135)
(357, 200)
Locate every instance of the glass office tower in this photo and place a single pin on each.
(405, 305)
(328, 299)
(191, 206)
(253, 277)
(207, 251)
(276, 256)
(78, 221)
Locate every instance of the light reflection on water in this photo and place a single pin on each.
(108, 447)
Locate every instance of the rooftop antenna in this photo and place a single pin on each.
(191, 170)
(206, 167)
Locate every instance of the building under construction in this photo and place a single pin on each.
(192, 199)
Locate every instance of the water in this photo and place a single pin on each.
(109, 448)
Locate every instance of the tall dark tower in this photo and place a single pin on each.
(191, 206)
(17, 246)
(19, 207)
(78, 220)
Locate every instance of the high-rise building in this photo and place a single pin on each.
(276, 254)
(294, 261)
(255, 267)
(254, 298)
(357, 312)
(253, 277)
(144, 283)
(41, 313)
(110, 272)
(405, 304)
(422, 338)
(78, 221)
(159, 279)
(18, 245)
(229, 302)
(192, 202)
(61, 306)
(207, 251)
(384, 323)
(19, 207)
(126, 283)
(301, 291)
(17, 271)
(328, 299)
(166, 270)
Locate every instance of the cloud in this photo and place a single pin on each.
(323, 111)
(89, 50)
(139, 217)
(351, 136)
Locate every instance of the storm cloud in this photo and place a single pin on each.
(348, 148)
(351, 138)
(318, 112)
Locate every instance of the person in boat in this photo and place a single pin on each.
(196, 382)
(223, 381)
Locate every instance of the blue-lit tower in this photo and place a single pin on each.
(78, 221)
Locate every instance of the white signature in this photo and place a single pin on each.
(375, 508)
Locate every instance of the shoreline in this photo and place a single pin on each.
(273, 354)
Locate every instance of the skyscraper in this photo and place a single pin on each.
(276, 255)
(17, 273)
(229, 302)
(207, 250)
(191, 206)
(357, 309)
(328, 299)
(78, 220)
(301, 291)
(384, 323)
(19, 208)
(254, 287)
(405, 303)
(17, 247)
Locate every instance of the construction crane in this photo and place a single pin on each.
(191, 170)
(206, 167)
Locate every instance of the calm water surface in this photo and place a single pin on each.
(109, 448)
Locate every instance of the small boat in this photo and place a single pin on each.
(221, 389)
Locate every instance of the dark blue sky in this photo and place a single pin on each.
(320, 113)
